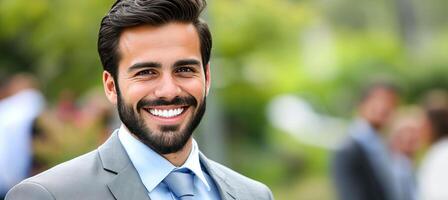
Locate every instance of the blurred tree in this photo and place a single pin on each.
(54, 39)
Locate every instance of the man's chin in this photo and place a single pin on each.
(165, 139)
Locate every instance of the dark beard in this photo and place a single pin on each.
(171, 139)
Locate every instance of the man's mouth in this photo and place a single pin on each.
(166, 112)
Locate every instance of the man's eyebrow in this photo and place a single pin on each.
(141, 65)
(186, 62)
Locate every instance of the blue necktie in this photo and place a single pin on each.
(180, 184)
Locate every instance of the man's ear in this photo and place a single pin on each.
(207, 79)
(109, 87)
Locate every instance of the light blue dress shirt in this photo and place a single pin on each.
(153, 168)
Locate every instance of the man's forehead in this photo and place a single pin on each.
(171, 31)
(148, 42)
(158, 36)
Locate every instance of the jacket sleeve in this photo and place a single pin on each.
(29, 190)
(346, 182)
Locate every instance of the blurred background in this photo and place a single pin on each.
(286, 78)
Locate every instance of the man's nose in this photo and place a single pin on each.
(167, 88)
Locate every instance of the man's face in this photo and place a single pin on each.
(379, 106)
(161, 85)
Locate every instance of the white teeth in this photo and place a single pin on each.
(166, 113)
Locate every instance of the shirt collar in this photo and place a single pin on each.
(152, 167)
(193, 163)
(362, 130)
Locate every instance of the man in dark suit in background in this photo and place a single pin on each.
(361, 166)
(155, 55)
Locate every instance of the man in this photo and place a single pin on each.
(361, 167)
(155, 55)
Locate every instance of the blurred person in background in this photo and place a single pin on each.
(433, 171)
(155, 56)
(66, 108)
(20, 104)
(405, 139)
(361, 166)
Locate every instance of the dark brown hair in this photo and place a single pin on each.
(377, 85)
(130, 13)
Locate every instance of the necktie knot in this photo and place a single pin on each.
(180, 184)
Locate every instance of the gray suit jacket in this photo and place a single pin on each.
(108, 173)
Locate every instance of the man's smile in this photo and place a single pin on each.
(167, 114)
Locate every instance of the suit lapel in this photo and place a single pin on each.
(126, 185)
(227, 192)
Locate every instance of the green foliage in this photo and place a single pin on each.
(54, 39)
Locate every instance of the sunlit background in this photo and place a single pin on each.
(286, 76)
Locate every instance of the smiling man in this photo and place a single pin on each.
(155, 55)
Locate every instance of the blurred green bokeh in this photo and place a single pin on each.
(324, 51)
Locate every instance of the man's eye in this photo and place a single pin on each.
(185, 69)
(144, 72)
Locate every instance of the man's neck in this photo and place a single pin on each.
(179, 158)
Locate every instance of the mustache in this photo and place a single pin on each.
(185, 101)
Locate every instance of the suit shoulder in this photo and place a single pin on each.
(348, 148)
(233, 175)
(29, 190)
(349, 157)
(245, 184)
(74, 168)
(82, 171)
